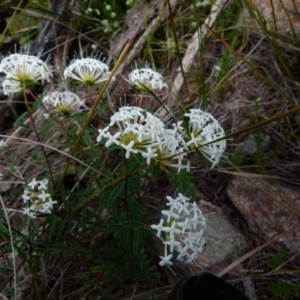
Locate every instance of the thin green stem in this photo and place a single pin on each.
(126, 189)
(102, 189)
(37, 134)
(12, 248)
(99, 98)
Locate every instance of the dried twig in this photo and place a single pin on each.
(251, 253)
(136, 49)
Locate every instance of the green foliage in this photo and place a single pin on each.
(236, 159)
(227, 62)
(106, 203)
(229, 16)
(279, 259)
(183, 181)
(281, 145)
(284, 289)
(259, 140)
(115, 194)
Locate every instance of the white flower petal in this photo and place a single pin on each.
(146, 77)
(88, 70)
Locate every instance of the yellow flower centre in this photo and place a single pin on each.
(64, 109)
(89, 80)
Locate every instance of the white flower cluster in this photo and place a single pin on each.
(203, 131)
(37, 198)
(89, 71)
(141, 132)
(2, 144)
(146, 77)
(182, 231)
(22, 71)
(65, 102)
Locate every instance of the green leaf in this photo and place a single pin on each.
(236, 159)
(136, 162)
(112, 147)
(136, 240)
(18, 122)
(141, 160)
(279, 259)
(9, 292)
(133, 185)
(156, 173)
(132, 224)
(3, 230)
(116, 192)
(33, 233)
(127, 224)
(38, 103)
(183, 182)
(53, 227)
(283, 289)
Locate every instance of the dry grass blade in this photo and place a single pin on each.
(193, 48)
(250, 175)
(119, 153)
(251, 253)
(14, 264)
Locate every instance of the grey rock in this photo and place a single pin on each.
(271, 209)
(224, 243)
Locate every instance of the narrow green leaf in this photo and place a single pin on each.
(53, 227)
(183, 181)
(140, 159)
(127, 224)
(284, 289)
(136, 240)
(18, 122)
(132, 224)
(132, 188)
(279, 259)
(116, 192)
(4, 230)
